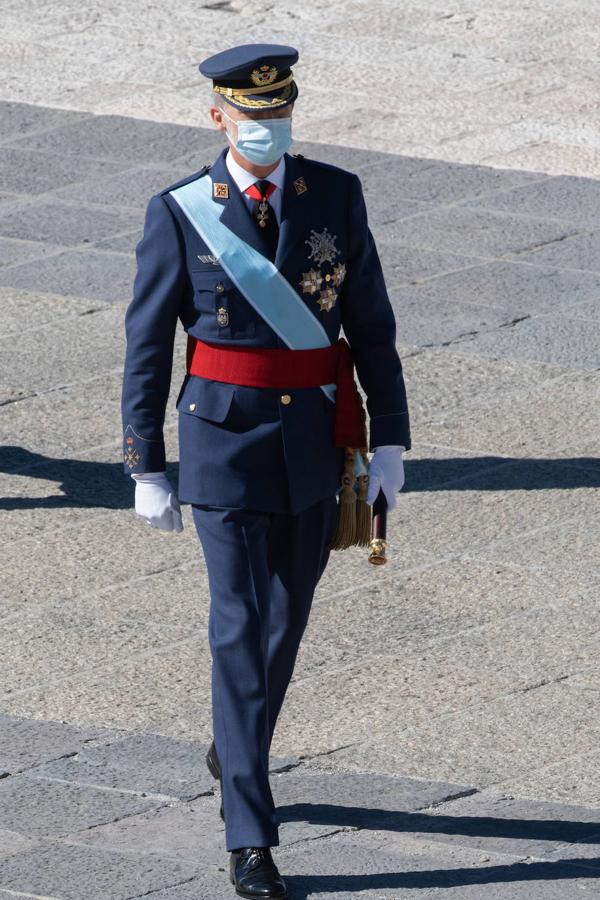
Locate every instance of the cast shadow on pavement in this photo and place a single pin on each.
(106, 485)
(529, 830)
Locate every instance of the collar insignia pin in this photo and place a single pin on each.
(220, 191)
(300, 185)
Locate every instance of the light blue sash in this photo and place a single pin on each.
(261, 283)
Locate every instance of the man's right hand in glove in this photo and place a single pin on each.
(156, 501)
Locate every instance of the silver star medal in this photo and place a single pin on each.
(322, 246)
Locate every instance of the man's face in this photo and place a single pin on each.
(220, 121)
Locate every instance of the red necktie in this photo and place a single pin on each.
(263, 212)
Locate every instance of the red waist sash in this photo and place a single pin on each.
(278, 367)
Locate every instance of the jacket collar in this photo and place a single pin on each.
(294, 208)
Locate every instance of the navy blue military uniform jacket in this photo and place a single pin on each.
(242, 446)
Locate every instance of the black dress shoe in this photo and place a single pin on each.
(255, 874)
(214, 767)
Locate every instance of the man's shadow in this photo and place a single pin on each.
(96, 484)
(79, 483)
(558, 832)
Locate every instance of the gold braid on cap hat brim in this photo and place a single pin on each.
(243, 95)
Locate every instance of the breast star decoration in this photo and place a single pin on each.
(323, 251)
(322, 246)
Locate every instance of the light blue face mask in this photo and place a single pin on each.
(262, 141)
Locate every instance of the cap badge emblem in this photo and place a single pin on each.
(264, 75)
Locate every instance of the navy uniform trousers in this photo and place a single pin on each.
(263, 568)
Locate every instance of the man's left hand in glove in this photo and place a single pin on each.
(386, 472)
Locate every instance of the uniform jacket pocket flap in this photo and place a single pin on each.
(206, 399)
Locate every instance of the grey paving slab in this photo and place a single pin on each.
(404, 264)
(23, 310)
(46, 808)
(166, 690)
(589, 309)
(341, 866)
(34, 173)
(143, 763)
(498, 823)
(60, 572)
(354, 800)
(424, 321)
(190, 831)
(20, 119)
(87, 274)
(482, 745)
(64, 224)
(124, 243)
(117, 138)
(492, 504)
(569, 198)
(559, 339)
(74, 350)
(551, 419)
(13, 252)
(445, 382)
(25, 744)
(575, 779)
(574, 546)
(481, 233)
(518, 289)
(438, 604)
(12, 842)
(437, 183)
(67, 419)
(70, 872)
(578, 251)
(130, 188)
(47, 640)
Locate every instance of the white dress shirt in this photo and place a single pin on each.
(244, 179)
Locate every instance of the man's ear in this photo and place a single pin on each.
(217, 118)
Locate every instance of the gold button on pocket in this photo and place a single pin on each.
(285, 398)
(192, 407)
(220, 287)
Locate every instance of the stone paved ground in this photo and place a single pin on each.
(445, 741)
(498, 82)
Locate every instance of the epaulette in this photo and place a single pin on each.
(328, 167)
(185, 180)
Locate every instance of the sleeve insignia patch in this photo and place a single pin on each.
(131, 457)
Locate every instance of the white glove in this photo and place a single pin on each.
(156, 501)
(386, 472)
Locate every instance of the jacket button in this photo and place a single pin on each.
(192, 406)
(220, 287)
(285, 398)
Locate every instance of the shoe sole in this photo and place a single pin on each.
(215, 774)
(248, 896)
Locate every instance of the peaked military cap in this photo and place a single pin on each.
(253, 76)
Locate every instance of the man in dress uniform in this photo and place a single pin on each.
(263, 256)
